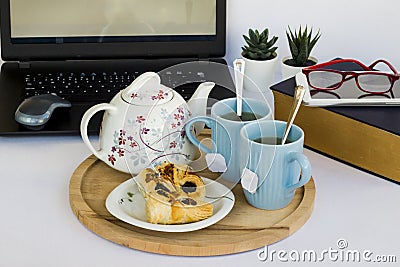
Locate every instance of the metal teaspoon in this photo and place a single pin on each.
(238, 66)
(297, 99)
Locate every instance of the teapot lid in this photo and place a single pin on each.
(147, 90)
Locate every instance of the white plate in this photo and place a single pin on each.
(126, 203)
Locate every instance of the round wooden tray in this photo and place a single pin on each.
(244, 228)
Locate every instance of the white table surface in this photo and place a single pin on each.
(38, 228)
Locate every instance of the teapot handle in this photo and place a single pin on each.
(84, 125)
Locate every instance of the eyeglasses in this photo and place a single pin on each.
(321, 77)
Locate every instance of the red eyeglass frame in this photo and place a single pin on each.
(353, 74)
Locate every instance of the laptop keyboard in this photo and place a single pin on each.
(101, 86)
(78, 87)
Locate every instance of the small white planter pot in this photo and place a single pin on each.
(259, 74)
(290, 71)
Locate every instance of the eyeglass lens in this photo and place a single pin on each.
(324, 79)
(374, 83)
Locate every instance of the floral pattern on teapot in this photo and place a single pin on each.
(153, 97)
(161, 144)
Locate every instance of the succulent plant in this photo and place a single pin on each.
(301, 43)
(259, 47)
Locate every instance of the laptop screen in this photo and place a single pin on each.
(55, 21)
(47, 29)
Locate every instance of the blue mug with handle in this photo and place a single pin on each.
(271, 172)
(225, 131)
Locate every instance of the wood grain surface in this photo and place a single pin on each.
(244, 228)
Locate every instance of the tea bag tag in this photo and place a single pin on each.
(249, 180)
(216, 162)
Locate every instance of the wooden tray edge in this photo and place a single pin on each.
(103, 228)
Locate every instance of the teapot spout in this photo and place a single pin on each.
(198, 103)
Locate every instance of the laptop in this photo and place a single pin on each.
(86, 51)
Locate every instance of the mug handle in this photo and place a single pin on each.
(192, 138)
(84, 125)
(305, 169)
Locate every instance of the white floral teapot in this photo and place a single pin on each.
(143, 125)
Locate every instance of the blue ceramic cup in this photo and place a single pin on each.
(281, 169)
(225, 133)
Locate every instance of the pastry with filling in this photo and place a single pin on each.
(183, 178)
(173, 195)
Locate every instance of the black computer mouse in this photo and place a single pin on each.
(35, 111)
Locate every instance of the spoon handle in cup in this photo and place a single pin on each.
(238, 66)
(298, 98)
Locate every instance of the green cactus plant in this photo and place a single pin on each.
(301, 43)
(259, 47)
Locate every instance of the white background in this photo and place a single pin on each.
(38, 228)
(362, 29)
